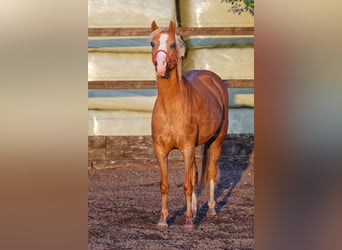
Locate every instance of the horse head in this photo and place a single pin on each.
(165, 45)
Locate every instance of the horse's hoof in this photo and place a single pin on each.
(211, 212)
(189, 226)
(162, 225)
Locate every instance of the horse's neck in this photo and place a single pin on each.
(171, 91)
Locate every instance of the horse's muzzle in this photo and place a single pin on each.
(161, 69)
(166, 75)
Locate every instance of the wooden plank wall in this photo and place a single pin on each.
(116, 84)
(117, 151)
(183, 31)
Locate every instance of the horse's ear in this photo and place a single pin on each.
(172, 27)
(154, 26)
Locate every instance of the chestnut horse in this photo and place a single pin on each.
(190, 110)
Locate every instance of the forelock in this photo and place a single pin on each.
(180, 43)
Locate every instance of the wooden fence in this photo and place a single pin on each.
(183, 31)
(117, 151)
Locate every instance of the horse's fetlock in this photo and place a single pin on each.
(164, 214)
(189, 217)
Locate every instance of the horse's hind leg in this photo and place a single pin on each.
(161, 156)
(214, 152)
(194, 195)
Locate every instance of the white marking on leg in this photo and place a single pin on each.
(211, 202)
(194, 204)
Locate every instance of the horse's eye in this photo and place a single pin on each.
(152, 44)
(173, 45)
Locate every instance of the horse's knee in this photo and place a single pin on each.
(188, 188)
(164, 188)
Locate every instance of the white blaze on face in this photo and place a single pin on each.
(161, 57)
(162, 45)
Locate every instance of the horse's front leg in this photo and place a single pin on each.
(161, 156)
(189, 183)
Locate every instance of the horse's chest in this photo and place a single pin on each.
(173, 128)
(174, 125)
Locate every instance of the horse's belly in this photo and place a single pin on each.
(207, 132)
(211, 123)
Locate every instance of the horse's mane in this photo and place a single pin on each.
(179, 42)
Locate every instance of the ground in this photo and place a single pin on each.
(124, 206)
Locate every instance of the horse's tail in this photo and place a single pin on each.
(205, 163)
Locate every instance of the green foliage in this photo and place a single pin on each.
(240, 6)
